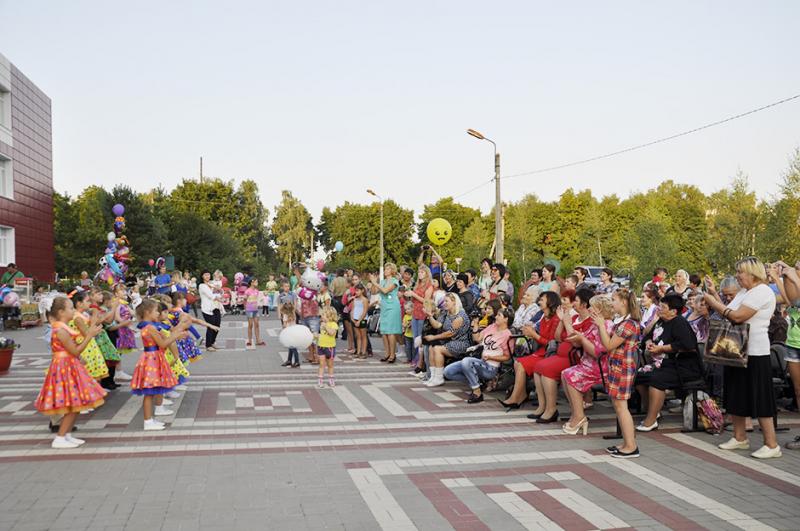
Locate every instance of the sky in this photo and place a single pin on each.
(327, 99)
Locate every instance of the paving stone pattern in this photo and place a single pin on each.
(253, 445)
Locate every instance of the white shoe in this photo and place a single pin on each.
(181, 387)
(75, 440)
(124, 376)
(153, 425)
(161, 411)
(172, 394)
(86, 411)
(62, 443)
(642, 427)
(167, 402)
(765, 452)
(733, 444)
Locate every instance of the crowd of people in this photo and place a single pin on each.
(570, 332)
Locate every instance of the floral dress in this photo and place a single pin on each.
(68, 386)
(586, 374)
(92, 356)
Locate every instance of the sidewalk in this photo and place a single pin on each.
(253, 445)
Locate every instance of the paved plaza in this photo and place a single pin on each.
(253, 445)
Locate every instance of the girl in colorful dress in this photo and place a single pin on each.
(68, 388)
(126, 339)
(188, 349)
(327, 344)
(622, 345)
(289, 318)
(172, 354)
(105, 317)
(92, 356)
(153, 376)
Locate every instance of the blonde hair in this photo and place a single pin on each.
(427, 281)
(682, 273)
(391, 266)
(602, 303)
(457, 306)
(329, 314)
(752, 266)
(631, 304)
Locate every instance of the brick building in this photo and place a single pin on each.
(26, 175)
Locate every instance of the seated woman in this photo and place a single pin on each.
(490, 310)
(527, 309)
(579, 379)
(454, 329)
(547, 372)
(681, 364)
(494, 340)
(524, 366)
(698, 318)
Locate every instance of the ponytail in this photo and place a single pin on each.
(631, 303)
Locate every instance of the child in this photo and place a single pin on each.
(251, 295)
(288, 318)
(327, 344)
(92, 356)
(153, 376)
(126, 339)
(172, 353)
(263, 302)
(68, 388)
(358, 315)
(622, 345)
(105, 318)
(272, 293)
(187, 349)
(408, 333)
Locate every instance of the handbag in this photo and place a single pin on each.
(727, 343)
(191, 298)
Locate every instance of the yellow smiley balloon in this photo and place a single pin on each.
(439, 231)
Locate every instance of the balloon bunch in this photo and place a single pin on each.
(311, 282)
(114, 262)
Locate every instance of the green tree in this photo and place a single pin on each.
(68, 259)
(459, 217)
(92, 219)
(653, 227)
(199, 244)
(292, 229)
(781, 235)
(734, 220)
(478, 238)
(145, 230)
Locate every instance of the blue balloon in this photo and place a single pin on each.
(338, 246)
(113, 265)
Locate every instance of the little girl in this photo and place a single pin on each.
(188, 349)
(358, 314)
(105, 317)
(251, 295)
(179, 370)
(288, 318)
(153, 376)
(327, 344)
(68, 388)
(263, 302)
(92, 356)
(126, 339)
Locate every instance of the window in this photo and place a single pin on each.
(5, 108)
(6, 246)
(6, 179)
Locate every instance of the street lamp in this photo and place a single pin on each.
(371, 192)
(498, 204)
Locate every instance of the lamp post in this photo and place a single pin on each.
(498, 204)
(371, 192)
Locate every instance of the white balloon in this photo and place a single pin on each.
(111, 236)
(296, 336)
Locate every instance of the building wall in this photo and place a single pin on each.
(30, 211)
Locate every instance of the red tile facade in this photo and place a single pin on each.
(31, 210)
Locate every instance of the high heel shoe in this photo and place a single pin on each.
(573, 430)
(509, 406)
(534, 416)
(392, 359)
(542, 420)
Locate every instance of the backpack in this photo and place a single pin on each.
(708, 413)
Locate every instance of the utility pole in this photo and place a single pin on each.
(498, 203)
(201, 170)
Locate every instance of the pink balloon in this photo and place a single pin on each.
(151, 262)
(321, 265)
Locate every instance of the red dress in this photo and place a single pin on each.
(68, 387)
(547, 332)
(553, 366)
(152, 375)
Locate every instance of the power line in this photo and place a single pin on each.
(654, 142)
(490, 181)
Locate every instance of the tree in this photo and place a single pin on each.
(527, 226)
(478, 239)
(781, 236)
(459, 217)
(67, 253)
(200, 244)
(358, 227)
(734, 218)
(645, 253)
(292, 229)
(145, 231)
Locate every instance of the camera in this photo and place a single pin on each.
(426, 247)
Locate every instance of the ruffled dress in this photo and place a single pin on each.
(68, 386)
(187, 349)
(152, 375)
(110, 353)
(179, 370)
(126, 339)
(92, 356)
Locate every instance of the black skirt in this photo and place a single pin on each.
(748, 391)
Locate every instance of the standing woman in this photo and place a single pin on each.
(423, 291)
(549, 282)
(209, 306)
(391, 323)
(748, 390)
(485, 280)
(681, 286)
